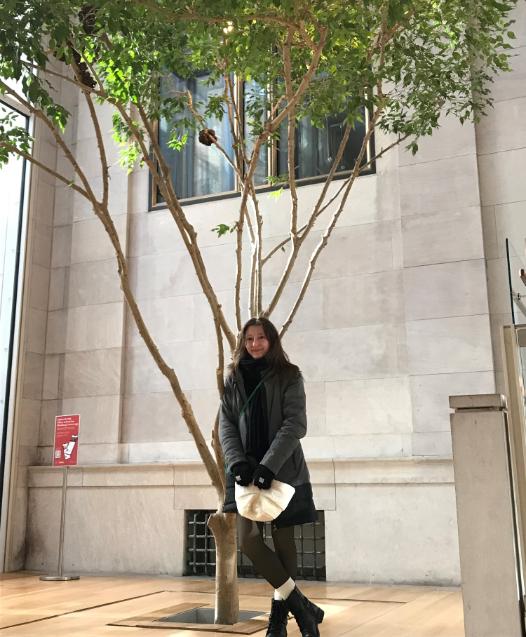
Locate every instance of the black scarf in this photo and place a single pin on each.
(252, 370)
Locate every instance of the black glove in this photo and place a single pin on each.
(263, 477)
(243, 473)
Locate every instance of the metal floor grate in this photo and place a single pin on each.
(200, 548)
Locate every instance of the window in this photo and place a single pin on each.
(201, 171)
(201, 554)
(198, 170)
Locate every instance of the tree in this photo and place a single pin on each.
(390, 65)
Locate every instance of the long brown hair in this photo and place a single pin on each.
(276, 357)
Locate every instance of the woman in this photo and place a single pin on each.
(262, 419)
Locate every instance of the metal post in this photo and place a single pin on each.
(60, 577)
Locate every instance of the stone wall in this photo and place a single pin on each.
(402, 311)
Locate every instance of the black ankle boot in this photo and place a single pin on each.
(277, 622)
(305, 613)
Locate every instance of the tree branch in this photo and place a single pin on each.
(332, 224)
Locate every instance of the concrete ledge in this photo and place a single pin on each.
(192, 474)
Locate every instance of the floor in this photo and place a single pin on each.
(85, 607)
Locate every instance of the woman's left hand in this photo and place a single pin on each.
(263, 477)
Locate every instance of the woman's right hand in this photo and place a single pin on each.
(243, 473)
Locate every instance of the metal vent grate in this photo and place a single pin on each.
(201, 554)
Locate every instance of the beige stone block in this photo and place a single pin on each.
(33, 373)
(63, 205)
(492, 247)
(45, 202)
(154, 233)
(46, 435)
(56, 332)
(498, 283)
(168, 320)
(501, 177)
(39, 287)
(371, 406)
(15, 558)
(441, 237)
(432, 443)
(128, 475)
(89, 159)
(359, 352)
(90, 242)
(503, 128)
(47, 477)
(99, 418)
(430, 396)
(508, 86)
(202, 319)
(324, 497)
(439, 186)
(451, 139)
(194, 363)
(497, 322)
(310, 313)
(394, 533)
(57, 287)
(274, 268)
(445, 289)
(316, 408)
(61, 246)
(318, 447)
(81, 207)
(42, 237)
(205, 403)
(91, 283)
(362, 299)
(449, 345)
(43, 529)
(164, 275)
(114, 527)
(360, 249)
(139, 190)
(399, 471)
(29, 421)
(153, 418)
(95, 454)
(95, 373)
(85, 127)
(322, 472)
(94, 327)
(362, 205)
(380, 445)
(511, 224)
(184, 450)
(52, 376)
(35, 335)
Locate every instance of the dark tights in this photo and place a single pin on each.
(275, 566)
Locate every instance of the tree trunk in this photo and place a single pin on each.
(223, 527)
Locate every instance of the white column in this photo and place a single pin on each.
(486, 528)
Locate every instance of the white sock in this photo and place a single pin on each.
(285, 589)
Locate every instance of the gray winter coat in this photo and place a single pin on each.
(287, 423)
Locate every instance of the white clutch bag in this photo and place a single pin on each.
(263, 505)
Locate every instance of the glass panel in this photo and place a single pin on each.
(316, 148)
(255, 104)
(517, 283)
(198, 169)
(12, 178)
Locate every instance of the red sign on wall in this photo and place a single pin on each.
(66, 440)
